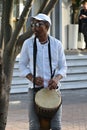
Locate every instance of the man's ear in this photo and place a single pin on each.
(47, 25)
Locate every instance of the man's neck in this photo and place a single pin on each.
(43, 40)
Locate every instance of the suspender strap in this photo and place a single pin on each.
(34, 61)
(49, 52)
(50, 59)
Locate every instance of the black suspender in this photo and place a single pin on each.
(49, 53)
(50, 62)
(34, 60)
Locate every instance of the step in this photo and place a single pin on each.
(74, 85)
(77, 69)
(76, 77)
(18, 81)
(79, 56)
(19, 89)
(77, 62)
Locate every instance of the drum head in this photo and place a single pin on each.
(48, 99)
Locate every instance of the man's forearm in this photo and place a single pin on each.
(30, 77)
(57, 78)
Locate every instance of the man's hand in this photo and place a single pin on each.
(52, 84)
(39, 81)
(83, 16)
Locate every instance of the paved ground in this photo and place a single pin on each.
(74, 111)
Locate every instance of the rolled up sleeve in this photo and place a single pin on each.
(62, 66)
(24, 61)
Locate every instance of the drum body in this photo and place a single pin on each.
(47, 102)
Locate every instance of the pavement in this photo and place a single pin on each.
(74, 115)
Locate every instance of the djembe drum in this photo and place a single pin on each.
(47, 103)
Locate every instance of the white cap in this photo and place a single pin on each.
(42, 17)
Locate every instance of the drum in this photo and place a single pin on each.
(47, 102)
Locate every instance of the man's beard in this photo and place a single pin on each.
(36, 34)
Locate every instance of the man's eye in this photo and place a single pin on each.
(32, 25)
(37, 24)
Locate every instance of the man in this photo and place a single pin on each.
(83, 21)
(50, 68)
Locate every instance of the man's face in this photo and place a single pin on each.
(39, 28)
(85, 5)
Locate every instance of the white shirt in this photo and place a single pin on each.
(42, 63)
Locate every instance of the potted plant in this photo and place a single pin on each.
(73, 26)
(75, 11)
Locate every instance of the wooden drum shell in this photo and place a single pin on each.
(43, 108)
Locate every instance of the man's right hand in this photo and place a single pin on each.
(39, 81)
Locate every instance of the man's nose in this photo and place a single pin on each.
(35, 28)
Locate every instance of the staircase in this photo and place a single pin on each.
(19, 84)
(76, 74)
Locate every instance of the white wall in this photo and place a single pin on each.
(65, 21)
(36, 6)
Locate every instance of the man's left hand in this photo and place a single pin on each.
(52, 84)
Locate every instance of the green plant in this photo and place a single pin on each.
(75, 11)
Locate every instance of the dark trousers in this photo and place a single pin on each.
(34, 120)
(84, 31)
(85, 39)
